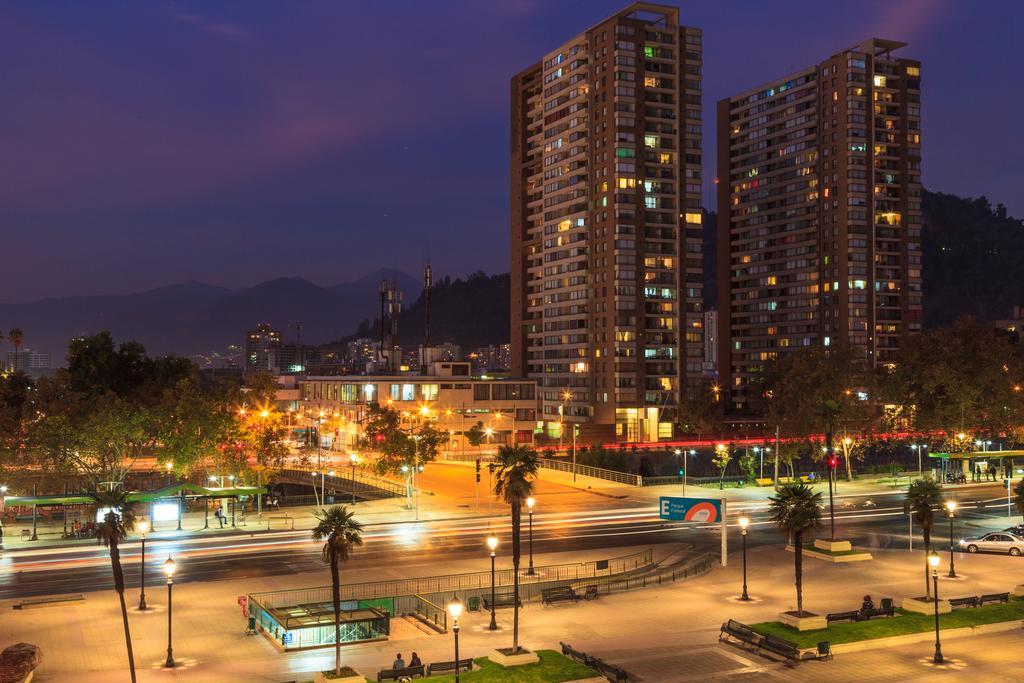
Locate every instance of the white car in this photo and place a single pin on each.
(998, 542)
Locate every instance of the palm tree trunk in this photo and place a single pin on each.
(798, 560)
(115, 564)
(849, 468)
(336, 604)
(516, 524)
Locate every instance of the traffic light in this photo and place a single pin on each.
(478, 470)
(832, 462)
(680, 471)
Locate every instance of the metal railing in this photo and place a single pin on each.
(430, 612)
(662, 481)
(588, 471)
(468, 457)
(443, 586)
(342, 483)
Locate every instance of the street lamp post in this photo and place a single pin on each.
(831, 484)
(744, 522)
(142, 527)
(933, 560)
(352, 459)
(455, 610)
(169, 568)
(951, 506)
(492, 543)
(3, 497)
(529, 507)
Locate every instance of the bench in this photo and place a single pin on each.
(558, 594)
(449, 667)
(399, 674)
(836, 617)
(609, 671)
(994, 597)
(969, 601)
(32, 603)
(590, 593)
(780, 647)
(805, 479)
(763, 482)
(885, 609)
(740, 632)
(501, 600)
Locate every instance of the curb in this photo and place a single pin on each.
(922, 637)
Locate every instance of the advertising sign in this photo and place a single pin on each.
(690, 509)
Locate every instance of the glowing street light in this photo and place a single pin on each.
(492, 543)
(933, 560)
(529, 507)
(744, 522)
(455, 610)
(142, 526)
(169, 568)
(951, 508)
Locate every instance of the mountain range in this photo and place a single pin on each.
(196, 318)
(972, 256)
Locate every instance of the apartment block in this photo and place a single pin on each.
(819, 213)
(606, 225)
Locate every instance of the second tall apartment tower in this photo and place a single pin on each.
(606, 225)
(819, 213)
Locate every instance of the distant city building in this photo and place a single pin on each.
(493, 357)
(439, 352)
(28, 361)
(262, 348)
(711, 342)
(361, 352)
(606, 225)
(1013, 324)
(819, 212)
(449, 396)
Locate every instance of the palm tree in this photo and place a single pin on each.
(796, 509)
(16, 336)
(517, 468)
(338, 527)
(923, 497)
(112, 531)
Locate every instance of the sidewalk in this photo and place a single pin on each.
(626, 628)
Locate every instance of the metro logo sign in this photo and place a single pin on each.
(690, 509)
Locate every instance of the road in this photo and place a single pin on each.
(875, 521)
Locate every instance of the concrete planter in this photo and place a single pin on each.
(924, 606)
(818, 553)
(1018, 590)
(808, 622)
(524, 657)
(911, 638)
(321, 678)
(833, 546)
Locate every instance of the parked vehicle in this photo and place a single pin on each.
(997, 542)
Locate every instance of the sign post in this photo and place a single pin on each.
(706, 510)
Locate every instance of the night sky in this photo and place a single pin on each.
(149, 143)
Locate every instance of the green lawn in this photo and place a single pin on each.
(904, 623)
(553, 667)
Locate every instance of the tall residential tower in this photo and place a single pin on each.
(819, 213)
(606, 225)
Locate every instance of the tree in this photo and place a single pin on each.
(17, 337)
(399, 446)
(923, 496)
(111, 532)
(700, 411)
(721, 460)
(517, 468)
(748, 464)
(796, 509)
(341, 533)
(476, 434)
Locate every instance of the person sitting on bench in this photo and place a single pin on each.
(399, 663)
(868, 605)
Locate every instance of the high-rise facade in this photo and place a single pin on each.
(819, 213)
(606, 225)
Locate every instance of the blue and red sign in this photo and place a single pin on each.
(690, 509)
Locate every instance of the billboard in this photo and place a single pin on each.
(690, 509)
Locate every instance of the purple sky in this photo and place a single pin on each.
(150, 143)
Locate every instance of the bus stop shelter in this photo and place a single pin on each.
(968, 463)
(172, 495)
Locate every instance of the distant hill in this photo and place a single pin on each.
(473, 312)
(195, 318)
(973, 258)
